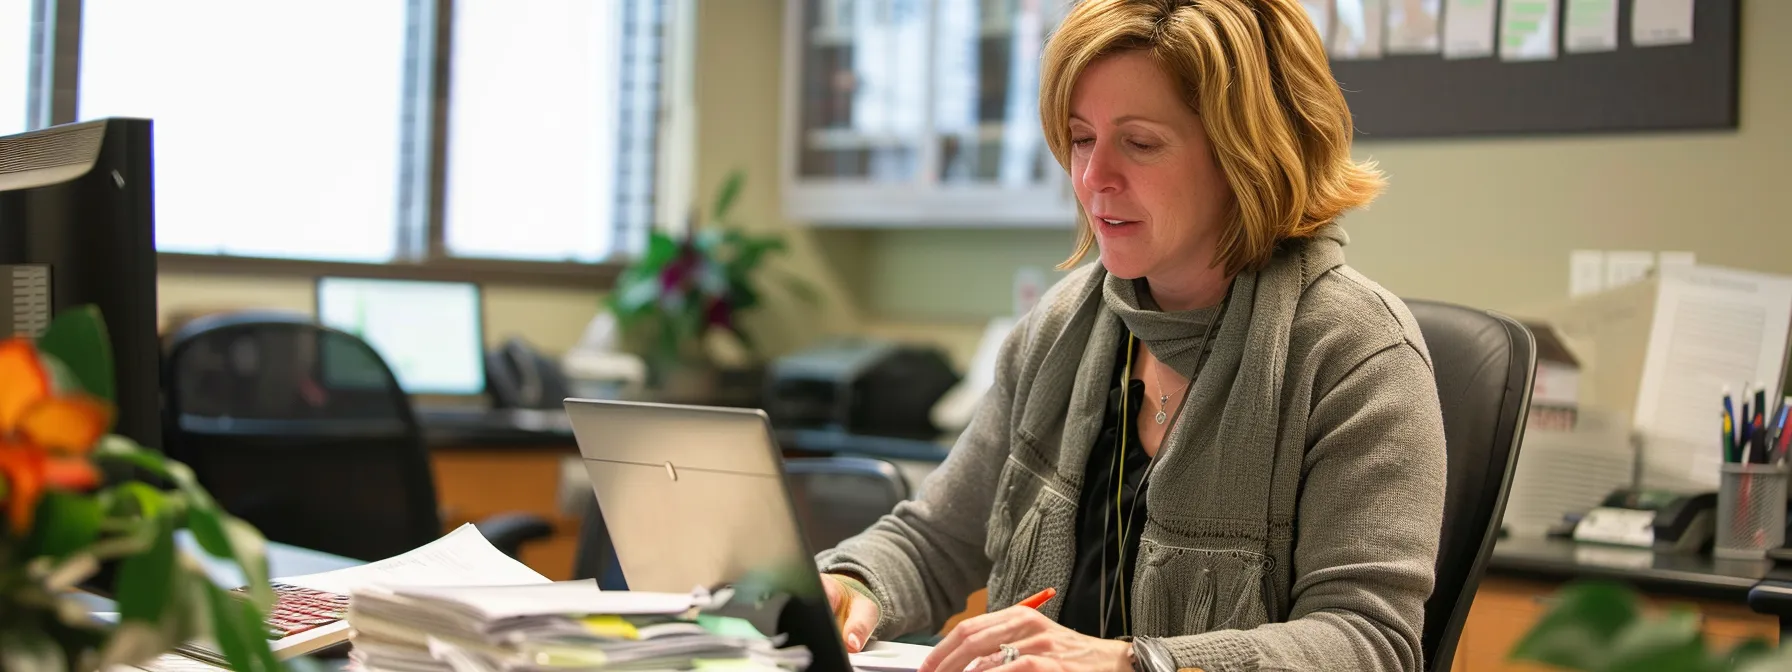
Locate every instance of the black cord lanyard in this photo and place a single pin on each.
(1117, 473)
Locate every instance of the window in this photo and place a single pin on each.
(277, 125)
(15, 64)
(551, 128)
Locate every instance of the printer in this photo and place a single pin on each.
(859, 386)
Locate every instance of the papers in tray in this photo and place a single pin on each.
(311, 611)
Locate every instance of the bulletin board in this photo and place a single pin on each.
(1631, 89)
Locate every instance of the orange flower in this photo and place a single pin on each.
(44, 437)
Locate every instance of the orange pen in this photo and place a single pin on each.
(1040, 598)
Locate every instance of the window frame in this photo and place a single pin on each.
(421, 251)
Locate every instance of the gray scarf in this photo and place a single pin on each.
(1175, 338)
(1231, 411)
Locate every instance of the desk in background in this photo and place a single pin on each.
(521, 462)
(1522, 574)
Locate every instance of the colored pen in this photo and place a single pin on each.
(1729, 438)
(1781, 437)
(1040, 598)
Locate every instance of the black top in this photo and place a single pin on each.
(1089, 583)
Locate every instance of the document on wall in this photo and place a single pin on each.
(1320, 12)
(1713, 328)
(1357, 33)
(1655, 23)
(1590, 26)
(1413, 26)
(1468, 28)
(1528, 30)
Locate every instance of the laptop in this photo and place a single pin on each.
(695, 497)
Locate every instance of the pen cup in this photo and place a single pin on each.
(1751, 511)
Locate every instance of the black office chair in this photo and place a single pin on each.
(838, 497)
(1484, 364)
(834, 497)
(303, 431)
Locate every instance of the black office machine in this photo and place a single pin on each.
(859, 386)
(1673, 522)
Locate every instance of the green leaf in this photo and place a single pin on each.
(730, 190)
(77, 337)
(1579, 631)
(228, 538)
(237, 628)
(1672, 642)
(142, 500)
(1755, 648)
(66, 523)
(145, 580)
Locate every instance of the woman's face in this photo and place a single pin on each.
(1143, 172)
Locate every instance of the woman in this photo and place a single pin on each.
(1221, 445)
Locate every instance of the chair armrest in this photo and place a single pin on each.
(509, 531)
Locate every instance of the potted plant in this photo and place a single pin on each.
(1601, 627)
(684, 289)
(59, 523)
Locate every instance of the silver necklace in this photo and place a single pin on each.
(1163, 399)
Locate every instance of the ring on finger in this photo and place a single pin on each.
(1009, 653)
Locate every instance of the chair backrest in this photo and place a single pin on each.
(838, 497)
(1484, 364)
(301, 430)
(834, 498)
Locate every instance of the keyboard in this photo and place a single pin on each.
(299, 609)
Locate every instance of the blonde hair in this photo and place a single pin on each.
(1256, 74)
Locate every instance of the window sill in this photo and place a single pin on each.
(600, 276)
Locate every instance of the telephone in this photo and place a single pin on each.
(517, 376)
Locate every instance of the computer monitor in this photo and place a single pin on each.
(77, 227)
(430, 333)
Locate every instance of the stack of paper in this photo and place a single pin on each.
(308, 615)
(557, 626)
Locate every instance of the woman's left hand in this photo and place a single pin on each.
(1041, 645)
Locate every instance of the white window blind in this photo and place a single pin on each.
(277, 125)
(15, 64)
(552, 128)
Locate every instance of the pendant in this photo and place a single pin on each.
(1160, 417)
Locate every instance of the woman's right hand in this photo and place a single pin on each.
(855, 612)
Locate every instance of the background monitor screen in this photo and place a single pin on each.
(428, 332)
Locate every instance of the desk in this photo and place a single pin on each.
(1522, 574)
(495, 462)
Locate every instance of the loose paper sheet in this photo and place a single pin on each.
(1413, 26)
(1655, 23)
(459, 558)
(1468, 28)
(891, 657)
(1357, 33)
(1591, 25)
(1528, 30)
